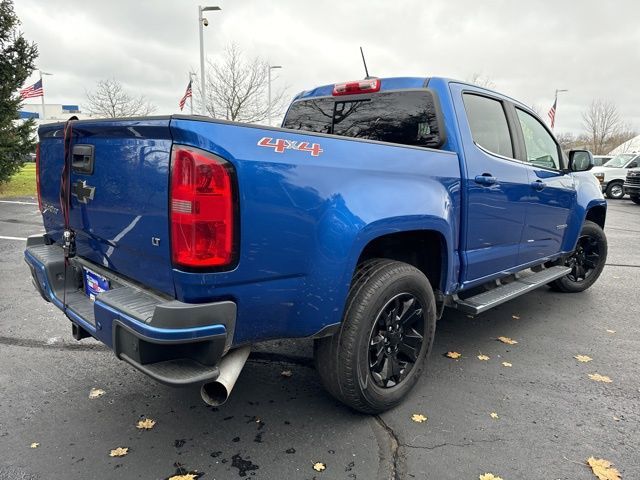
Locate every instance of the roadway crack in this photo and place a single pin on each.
(450, 444)
(394, 447)
(621, 265)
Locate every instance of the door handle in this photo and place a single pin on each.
(82, 159)
(486, 179)
(538, 185)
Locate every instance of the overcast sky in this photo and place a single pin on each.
(591, 48)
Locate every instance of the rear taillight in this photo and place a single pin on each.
(202, 209)
(38, 176)
(361, 86)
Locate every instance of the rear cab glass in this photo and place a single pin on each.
(406, 117)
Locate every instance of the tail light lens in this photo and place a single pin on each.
(202, 209)
(38, 176)
(370, 85)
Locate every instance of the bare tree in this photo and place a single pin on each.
(624, 133)
(481, 81)
(236, 89)
(601, 123)
(566, 140)
(111, 100)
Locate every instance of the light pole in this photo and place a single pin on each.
(42, 98)
(269, 68)
(203, 22)
(555, 106)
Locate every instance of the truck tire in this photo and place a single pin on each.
(387, 331)
(635, 199)
(615, 190)
(587, 260)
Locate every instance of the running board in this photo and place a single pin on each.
(525, 283)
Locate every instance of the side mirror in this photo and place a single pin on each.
(580, 160)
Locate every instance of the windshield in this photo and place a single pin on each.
(619, 161)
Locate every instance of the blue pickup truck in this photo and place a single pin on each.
(179, 241)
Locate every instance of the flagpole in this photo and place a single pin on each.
(42, 84)
(42, 98)
(555, 102)
(191, 75)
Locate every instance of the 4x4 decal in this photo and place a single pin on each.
(279, 145)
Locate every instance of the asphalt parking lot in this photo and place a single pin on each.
(551, 415)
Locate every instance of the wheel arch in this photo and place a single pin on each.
(597, 214)
(427, 250)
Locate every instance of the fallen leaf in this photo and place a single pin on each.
(494, 415)
(483, 357)
(602, 469)
(418, 418)
(286, 373)
(146, 424)
(583, 358)
(507, 364)
(34, 445)
(489, 476)
(596, 377)
(515, 317)
(119, 452)
(616, 418)
(507, 340)
(186, 476)
(611, 331)
(96, 393)
(318, 466)
(453, 355)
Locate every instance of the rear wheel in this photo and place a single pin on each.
(587, 260)
(376, 358)
(615, 190)
(636, 199)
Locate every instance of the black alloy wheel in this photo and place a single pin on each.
(585, 259)
(396, 340)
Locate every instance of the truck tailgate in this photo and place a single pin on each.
(118, 209)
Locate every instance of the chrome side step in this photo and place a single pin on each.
(525, 283)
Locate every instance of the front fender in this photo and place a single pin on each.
(588, 196)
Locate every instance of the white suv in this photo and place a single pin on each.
(613, 173)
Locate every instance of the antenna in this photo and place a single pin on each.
(366, 71)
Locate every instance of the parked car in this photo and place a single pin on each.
(632, 185)
(179, 241)
(600, 160)
(612, 174)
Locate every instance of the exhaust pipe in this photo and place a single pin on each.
(216, 393)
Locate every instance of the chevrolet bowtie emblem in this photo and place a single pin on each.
(82, 191)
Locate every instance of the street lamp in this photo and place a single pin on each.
(202, 21)
(42, 98)
(269, 68)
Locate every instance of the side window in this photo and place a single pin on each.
(488, 124)
(634, 164)
(542, 150)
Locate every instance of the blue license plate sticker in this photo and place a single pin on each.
(94, 284)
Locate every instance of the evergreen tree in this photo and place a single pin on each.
(17, 57)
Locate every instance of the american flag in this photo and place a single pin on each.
(186, 95)
(34, 90)
(552, 112)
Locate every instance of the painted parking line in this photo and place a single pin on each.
(16, 202)
(2, 237)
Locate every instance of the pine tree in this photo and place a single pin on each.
(17, 57)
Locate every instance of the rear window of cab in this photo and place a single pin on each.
(404, 117)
